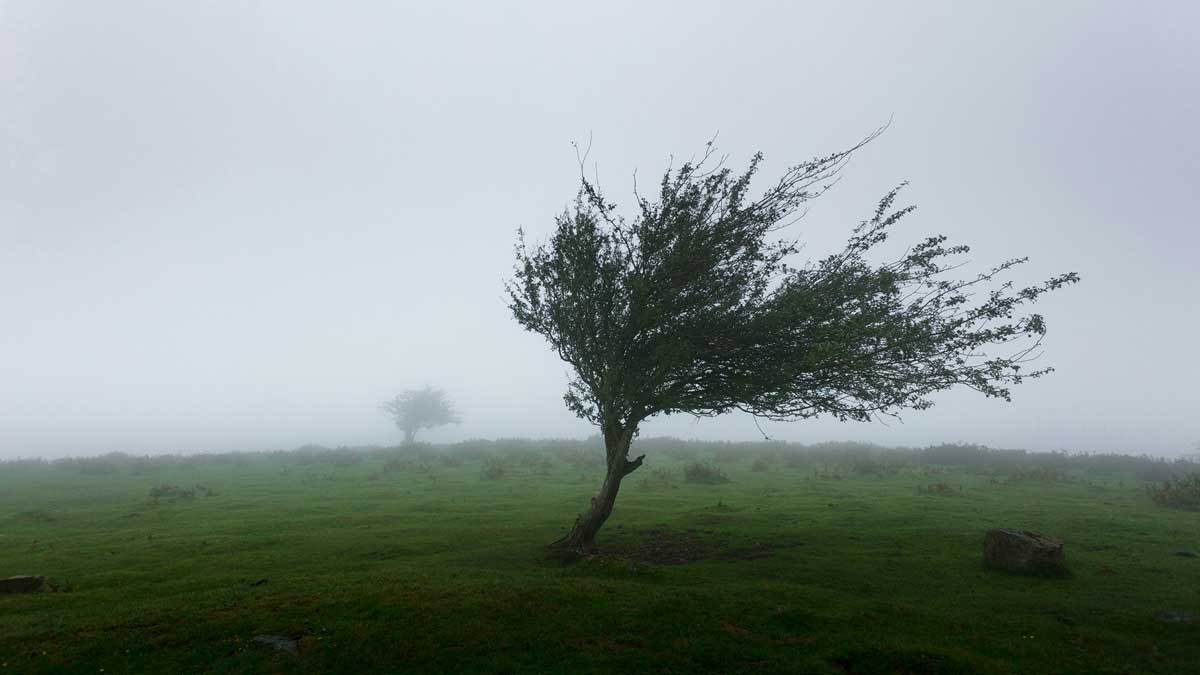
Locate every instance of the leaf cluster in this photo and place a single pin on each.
(693, 305)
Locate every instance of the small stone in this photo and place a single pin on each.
(1187, 554)
(21, 584)
(277, 642)
(1023, 551)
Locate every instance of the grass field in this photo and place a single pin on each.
(438, 564)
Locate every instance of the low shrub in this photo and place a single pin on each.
(704, 474)
(404, 465)
(1042, 475)
(172, 492)
(763, 463)
(937, 489)
(493, 470)
(1182, 492)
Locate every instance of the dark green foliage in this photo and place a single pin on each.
(1180, 492)
(706, 474)
(695, 305)
(692, 306)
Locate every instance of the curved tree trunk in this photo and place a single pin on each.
(582, 537)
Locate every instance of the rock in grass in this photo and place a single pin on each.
(1024, 552)
(21, 584)
(277, 642)
(1187, 554)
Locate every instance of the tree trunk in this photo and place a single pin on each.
(409, 436)
(582, 537)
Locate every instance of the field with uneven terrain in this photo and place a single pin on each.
(718, 558)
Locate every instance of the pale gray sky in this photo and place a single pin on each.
(241, 225)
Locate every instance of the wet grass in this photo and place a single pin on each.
(786, 568)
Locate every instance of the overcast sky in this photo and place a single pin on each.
(242, 225)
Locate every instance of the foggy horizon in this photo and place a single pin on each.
(239, 227)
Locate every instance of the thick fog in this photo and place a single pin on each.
(237, 225)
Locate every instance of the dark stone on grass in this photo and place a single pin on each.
(1024, 552)
(22, 584)
(277, 642)
(1176, 616)
(1187, 554)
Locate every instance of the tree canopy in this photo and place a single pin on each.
(695, 305)
(417, 409)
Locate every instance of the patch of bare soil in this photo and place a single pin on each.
(665, 546)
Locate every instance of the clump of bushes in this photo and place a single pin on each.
(404, 464)
(172, 492)
(937, 489)
(704, 474)
(871, 466)
(1182, 492)
(763, 463)
(493, 469)
(827, 473)
(175, 492)
(1040, 475)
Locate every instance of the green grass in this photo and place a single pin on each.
(793, 570)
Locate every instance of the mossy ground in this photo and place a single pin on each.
(793, 569)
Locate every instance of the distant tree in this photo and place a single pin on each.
(417, 409)
(692, 306)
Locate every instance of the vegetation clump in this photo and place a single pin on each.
(493, 469)
(695, 304)
(1182, 492)
(404, 465)
(417, 409)
(171, 492)
(704, 474)
(763, 463)
(937, 489)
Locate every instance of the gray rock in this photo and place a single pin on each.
(1187, 554)
(1024, 551)
(21, 584)
(277, 642)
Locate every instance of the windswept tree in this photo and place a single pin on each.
(417, 409)
(693, 305)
